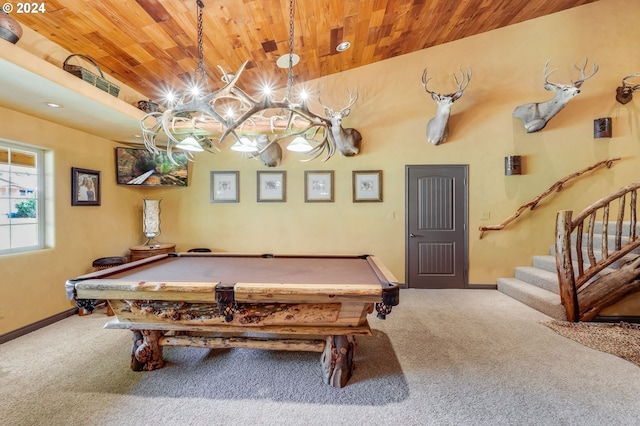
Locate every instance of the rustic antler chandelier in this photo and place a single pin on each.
(202, 116)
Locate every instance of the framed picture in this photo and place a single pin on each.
(85, 187)
(224, 187)
(318, 186)
(367, 186)
(272, 186)
(139, 167)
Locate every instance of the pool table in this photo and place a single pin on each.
(262, 301)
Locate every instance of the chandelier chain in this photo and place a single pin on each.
(201, 68)
(200, 51)
(290, 73)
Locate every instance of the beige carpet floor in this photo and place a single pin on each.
(442, 357)
(621, 339)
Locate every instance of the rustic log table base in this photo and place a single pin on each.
(337, 360)
(337, 351)
(146, 353)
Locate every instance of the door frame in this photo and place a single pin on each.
(465, 212)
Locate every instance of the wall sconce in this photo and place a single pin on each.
(151, 220)
(602, 127)
(512, 165)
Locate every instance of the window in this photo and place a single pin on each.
(21, 198)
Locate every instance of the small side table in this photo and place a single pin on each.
(141, 252)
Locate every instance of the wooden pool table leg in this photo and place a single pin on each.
(337, 360)
(146, 353)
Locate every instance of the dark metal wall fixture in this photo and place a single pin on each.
(602, 128)
(512, 165)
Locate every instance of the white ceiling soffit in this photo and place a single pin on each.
(27, 83)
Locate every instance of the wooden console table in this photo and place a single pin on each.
(141, 252)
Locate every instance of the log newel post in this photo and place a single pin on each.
(568, 293)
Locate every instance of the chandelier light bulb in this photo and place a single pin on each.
(267, 91)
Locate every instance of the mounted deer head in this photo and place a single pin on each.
(624, 93)
(269, 153)
(535, 116)
(346, 140)
(438, 126)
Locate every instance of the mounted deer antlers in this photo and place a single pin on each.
(438, 126)
(624, 93)
(535, 116)
(346, 140)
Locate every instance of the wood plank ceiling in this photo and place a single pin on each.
(151, 45)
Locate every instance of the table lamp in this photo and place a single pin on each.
(151, 220)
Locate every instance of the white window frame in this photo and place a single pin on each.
(39, 196)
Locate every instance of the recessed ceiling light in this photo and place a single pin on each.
(341, 47)
(283, 61)
(53, 105)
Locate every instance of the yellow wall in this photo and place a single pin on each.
(391, 113)
(32, 284)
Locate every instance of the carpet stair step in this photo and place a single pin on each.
(538, 277)
(546, 262)
(597, 240)
(531, 295)
(611, 228)
(597, 254)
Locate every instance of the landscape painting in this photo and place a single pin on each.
(137, 166)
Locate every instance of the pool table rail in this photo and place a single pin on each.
(171, 290)
(306, 293)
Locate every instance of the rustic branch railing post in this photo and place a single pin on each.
(568, 293)
(620, 222)
(605, 232)
(586, 293)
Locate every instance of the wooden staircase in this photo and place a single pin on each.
(538, 286)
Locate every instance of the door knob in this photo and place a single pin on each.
(414, 235)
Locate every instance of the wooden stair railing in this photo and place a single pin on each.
(584, 293)
(556, 187)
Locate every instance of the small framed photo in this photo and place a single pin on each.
(367, 186)
(224, 187)
(85, 187)
(272, 186)
(318, 186)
